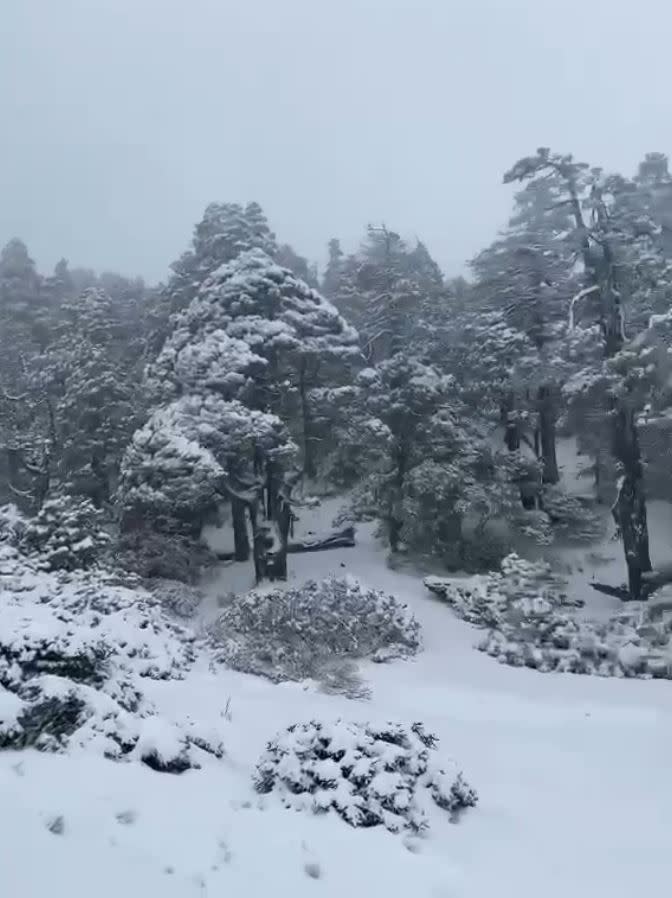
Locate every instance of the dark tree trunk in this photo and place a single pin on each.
(629, 509)
(547, 418)
(309, 468)
(279, 568)
(395, 524)
(101, 493)
(272, 490)
(511, 431)
(260, 544)
(241, 539)
(395, 533)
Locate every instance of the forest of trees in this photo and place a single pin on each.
(249, 380)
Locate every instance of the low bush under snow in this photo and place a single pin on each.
(75, 652)
(297, 633)
(530, 624)
(369, 775)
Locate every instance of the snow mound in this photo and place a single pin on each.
(296, 633)
(75, 653)
(369, 775)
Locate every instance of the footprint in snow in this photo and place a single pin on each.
(126, 817)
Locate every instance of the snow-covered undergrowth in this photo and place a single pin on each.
(75, 650)
(298, 633)
(65, 535)
(530, 624)
(369, 775)
(487, 600)
(634, 643)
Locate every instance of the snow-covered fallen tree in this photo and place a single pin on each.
(297, 633)
(75, 652)
(369, 775)
(530, 623)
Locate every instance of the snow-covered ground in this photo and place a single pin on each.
(573, 776)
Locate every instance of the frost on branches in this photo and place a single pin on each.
(76, 651)
(298, 633)
(369, 775)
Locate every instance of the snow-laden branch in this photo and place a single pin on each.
(580, 295)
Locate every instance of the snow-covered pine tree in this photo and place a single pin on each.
(225, 231)
(618, 257)
(291, 327)
(526, 275)
(91, 372)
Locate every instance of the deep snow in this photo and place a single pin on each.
(573, 776)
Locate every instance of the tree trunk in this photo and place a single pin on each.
(260, 538)
(511, 432)
(272, 490)
(629, 509)
(547, 418)
(279, 566)
(309, 468)
(395, 524)
(241, 539)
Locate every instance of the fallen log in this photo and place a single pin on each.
(623, 593)
(617, 592)
(339, 539)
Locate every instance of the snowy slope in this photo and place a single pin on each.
(572, 773)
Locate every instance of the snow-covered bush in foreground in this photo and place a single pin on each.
(65, 535)
(75, 652)
(530, 624)
(370, 775)
(296, 633)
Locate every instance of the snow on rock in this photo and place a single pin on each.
(369, 775)
(295, 633)
(75, 651)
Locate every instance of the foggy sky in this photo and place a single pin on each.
(121, 119)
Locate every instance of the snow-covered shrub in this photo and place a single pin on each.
(165, 556)
(486, 600)
(294, 633)
(575, 518)
(369, 775)
(12, 525)
(76, 650)
(54, 714)
(530, 623)
(630, 644)
(179, 598)
(66, 534)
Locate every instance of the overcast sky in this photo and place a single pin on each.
(121, 119)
